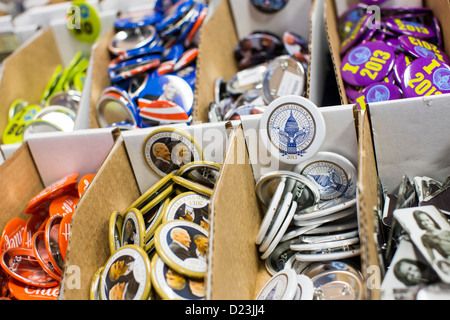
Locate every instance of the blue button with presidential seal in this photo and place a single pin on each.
(292, 129)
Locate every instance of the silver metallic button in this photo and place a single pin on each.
(267, 185)
(62, 117)
(284, 76)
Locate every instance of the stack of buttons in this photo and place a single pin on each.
(33, 251)
(401, 56)
(269, 67)
(57, 109)
(163, 235)
(310, 212)
(153, 70)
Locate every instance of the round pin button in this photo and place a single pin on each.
(12, 234)
(282, 286)
(368, 63)
(203, 172)
(284, 76)
(333, 174)
(126, 275)
(21, 264)
(153, 192)
(183, 246)
(170, 88)
(169, 284)
(42, 256)
(60, 116)
(270, 212)
(33, 224)
(401, 63)
(335, 281)
(51, 234)
(193, 186)
(168, 149)
(15, 107)
(63, 205)
(292, 129)
(267, 185)
(426, 77)
(325, 208)
(66, 184)
(115, 231)
(133, 230)
(64, 234)
(13, 132)
(22, 291)
(138, 19)
(329, 254)
(129, 39)
(280, 233)
(382, 91)
(354, 36)
(189, 206)
(420, 48)
(84, 23)
(94, 290)
(410, 28)
(83, 184)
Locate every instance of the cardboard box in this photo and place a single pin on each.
(122, 178)
(440, 8)
(396, 139)
(26, 73)
(43, 160)
(235, 271)
(232, 20)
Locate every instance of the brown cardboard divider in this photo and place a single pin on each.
(114, 188)
(367, 201)
(440, 8)
(215, 58)
(235, 270)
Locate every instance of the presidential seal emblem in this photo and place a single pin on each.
(334, 175)
(293, 129)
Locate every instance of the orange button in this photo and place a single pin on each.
(63, 205)
(42, 256)
(12, 235)
(32, 226)
(21, 291)
(21, 264)
(84, 183)
(52, 243)
(62, 186)
(64, 234)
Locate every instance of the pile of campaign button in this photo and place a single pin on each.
(32, 252)
(165, 232)
(335, 280)
(56, 111)
(309, 218)
(402, 57)
(269, 67)
(153, 67)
